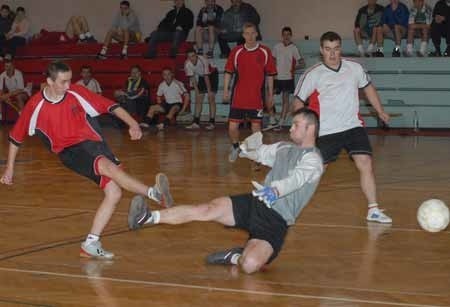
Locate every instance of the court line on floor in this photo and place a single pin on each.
(46, 246)
(8, 301)
(218, 289)
(297, 224)
(362, 227)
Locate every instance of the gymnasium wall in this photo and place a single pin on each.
(306, 17)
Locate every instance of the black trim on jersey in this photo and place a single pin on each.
(10, 139)
(53, 102)
(335, 70)
(113, 107)
(229, 72)
(368, 83)
(271, 75)
(45, 139)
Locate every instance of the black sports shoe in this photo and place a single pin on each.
(396, 53)
(101, 56)
(447, 52)
(223, 257)
(436, 53)
(378, 54)
(138, 213)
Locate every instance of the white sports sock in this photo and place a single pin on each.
(104, 50)
(381, 49)
(124, 49)
(88, 34)
(91, 238)
(156, 216)
(423, 47)
(235, 258)
(361, 49)
(397, 47)
(370, 47)
(372, 206)
(82, 36)
(409, 48)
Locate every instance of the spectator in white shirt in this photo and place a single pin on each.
(88, 81)
(12, 89)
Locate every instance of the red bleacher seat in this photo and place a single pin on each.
(35, 50)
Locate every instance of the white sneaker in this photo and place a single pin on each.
(377, 215)
(95, 250)
(193, 126)
(210, 126)
(234, 154)
(160, 127)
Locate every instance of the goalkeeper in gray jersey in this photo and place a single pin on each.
(269, 210)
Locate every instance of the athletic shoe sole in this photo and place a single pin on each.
(85, 254)
(138, 211)
(162, 182)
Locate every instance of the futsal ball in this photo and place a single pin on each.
(433, 215)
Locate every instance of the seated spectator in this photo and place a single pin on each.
(288, 59)
(12, 89)
(135, 96)
(88, 81)
(367, 26)
(204, 78)
(232, 23)
(395, 25)
(208, 24)
(172, 98)
(6, 20)
(420, 17)
(440, 27)
(19, 33)
(77, 30)
(125, 29)
(174, 27)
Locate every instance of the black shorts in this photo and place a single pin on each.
(213, 79)
(240, 115)
(83, 157)
(284, 86)
(261, 222)
(168, 106)
(354, 141)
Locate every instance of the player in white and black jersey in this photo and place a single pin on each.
(331, 89)
(204, 79)
(288, 59)
(171, 99)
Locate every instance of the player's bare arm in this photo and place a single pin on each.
(7, 177)
(374, 99)
(134, 129)
(298, 104)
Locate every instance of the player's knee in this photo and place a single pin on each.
(113, 192)
(106, 167)
(251, 264)
(357, 30)
(364, 162)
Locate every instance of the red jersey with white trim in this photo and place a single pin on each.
(251, 67)
(334, 94)
(63, 123)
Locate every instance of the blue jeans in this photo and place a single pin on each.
(158, 36)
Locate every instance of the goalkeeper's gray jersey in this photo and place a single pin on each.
(295, 172)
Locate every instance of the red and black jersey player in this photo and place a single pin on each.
(63, 115)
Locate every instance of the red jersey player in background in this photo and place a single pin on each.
(251, 63)
(62, 114)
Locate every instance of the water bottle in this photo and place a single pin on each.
(415, 121)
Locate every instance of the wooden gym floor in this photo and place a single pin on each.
(331, 257)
